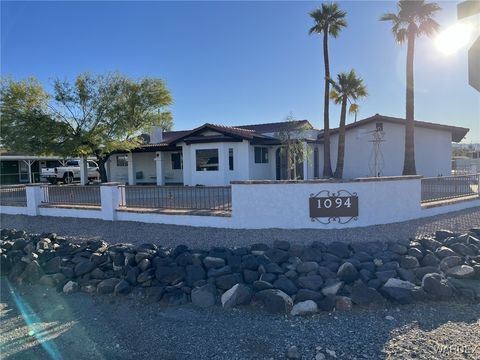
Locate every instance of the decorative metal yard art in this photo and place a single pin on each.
(376, 159)
(326, 207)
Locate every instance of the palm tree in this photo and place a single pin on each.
(348, 87)
(329, 20)
(414, 18)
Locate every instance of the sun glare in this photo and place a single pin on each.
(453, 38)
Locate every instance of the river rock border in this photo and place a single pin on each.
(284, 278)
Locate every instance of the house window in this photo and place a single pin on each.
(176, 159)
(122, 160)
(207, 159)
(230, 159)
(261, 155)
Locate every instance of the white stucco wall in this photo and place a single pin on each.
(223, 176)
(117, 173)
(287, 205)
(433, 149)
(270, 205)
(262, 171)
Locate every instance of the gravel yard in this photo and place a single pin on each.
(197, 237)
(91, 327)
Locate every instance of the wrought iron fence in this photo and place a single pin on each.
(71, 195)
(177, 197)
(449, 187)
(15, 195)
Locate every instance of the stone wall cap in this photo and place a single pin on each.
(328, 181)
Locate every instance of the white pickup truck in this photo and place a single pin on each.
(70, 172)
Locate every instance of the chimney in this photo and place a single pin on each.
(156, 135)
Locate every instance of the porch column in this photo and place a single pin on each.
(305, 161)
(131, 172)
(159, 168)
(83, 171)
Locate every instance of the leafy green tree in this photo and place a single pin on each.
(348, 87)
(93, 115)
(413, 19)
(329, 20)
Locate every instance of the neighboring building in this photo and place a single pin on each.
(18, 168)
(216, 154)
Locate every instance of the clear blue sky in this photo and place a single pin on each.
(237, 63)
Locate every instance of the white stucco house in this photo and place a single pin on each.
(216, 154)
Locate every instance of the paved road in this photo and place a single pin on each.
(38, 323)
(198, 237)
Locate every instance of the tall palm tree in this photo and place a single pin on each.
(348, 87)
(329, 20)
(414, 19)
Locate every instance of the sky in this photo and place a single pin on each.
(238, 63)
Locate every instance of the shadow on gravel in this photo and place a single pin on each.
(52, 325)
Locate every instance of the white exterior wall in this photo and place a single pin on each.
(117, 173)
(433, 151)
(270, 205)
(262, 171)
(223, 176)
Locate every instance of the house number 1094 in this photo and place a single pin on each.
(338, 202)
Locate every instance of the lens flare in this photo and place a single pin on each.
(453, 38)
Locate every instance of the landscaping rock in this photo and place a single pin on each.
(275, 301)
(286, 285)
(331, 288)
(70, 287)
(304, 308)
(194, 273)
(361, 294)
(450, 261)
(306, 267)
(107, 286)
(293, 353)
(347, 272)
(436, 286)
(306, 294)
(204, 296)
(461, 272)
(398, 290)
(409, 262)
(466, 284)
(312, 282)
(213, 262)
(276, 255)
(239, 294)
(343, 303)
(226, 282)
(122, 288)
(84, 267)
(443, 252)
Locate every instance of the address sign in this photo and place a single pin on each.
(327, 207)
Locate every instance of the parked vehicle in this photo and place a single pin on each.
(70, 172)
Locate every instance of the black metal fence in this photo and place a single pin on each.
(449, 187)
(72, 195)
(15, 195)
(177, 197)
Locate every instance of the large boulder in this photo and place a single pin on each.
(194, 273)
(275, 301)
(239, 294)
(398, 290)
(307, 266)
(122, 288)
(450, 261)
(70, 287)
(170, 274)
(436, 286)
(204, 296)
(443, 252)
(213, 262)
(226, 282)
(84, 267)
(286, 285)
(312, 282)
(361, 294)
(107, 286)
(332, 287)
(347, 272)
(306, 294)
(461, 272)
(276, 255)
(466, 285)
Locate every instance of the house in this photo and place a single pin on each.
(216, 154)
